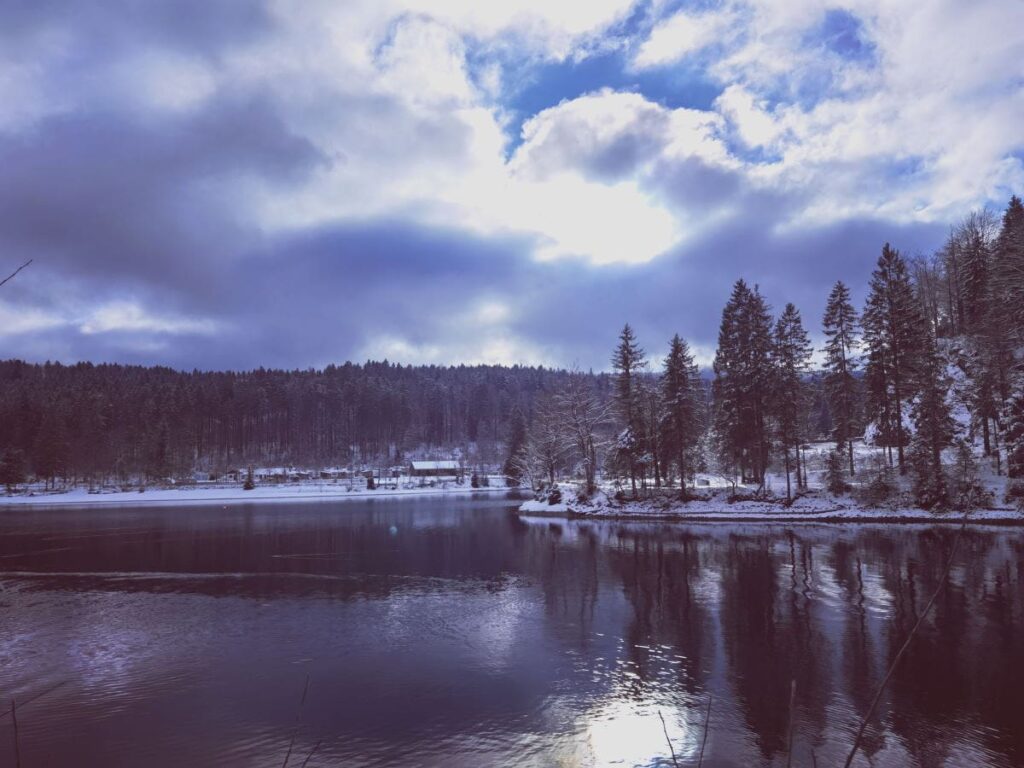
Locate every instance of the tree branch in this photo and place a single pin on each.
(10, 276)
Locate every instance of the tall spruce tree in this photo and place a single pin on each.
(792, 356)
(894, 335)
(840, 325)
(12, 469)
(515, 458)
(680, 422)
(1001, 328)
(1008, 271)
(973, 237)
(1013, 436)
(51, 448)
(628, 362)
(743, 382)
(934, 429)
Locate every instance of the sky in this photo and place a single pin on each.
(220, 184)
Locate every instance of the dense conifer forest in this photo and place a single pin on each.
(95, 421)
(929, 367)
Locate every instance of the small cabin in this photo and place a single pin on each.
(434, 468)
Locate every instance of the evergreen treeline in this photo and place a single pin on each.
(92, 422)
(939, 337)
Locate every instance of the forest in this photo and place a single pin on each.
(927, 375)
(928, 372)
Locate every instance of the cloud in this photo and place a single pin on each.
(128, 317)
(684, 34)
(282, 184)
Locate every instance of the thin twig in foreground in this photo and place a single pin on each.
(792, 713)
(906, 645)
(311, 753)
(30, 699)
(17, 746)
(671, 749)
(295, 729)
(704, 741)
(11, 276)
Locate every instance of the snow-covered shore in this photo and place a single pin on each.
(236, 495)
(812, 508)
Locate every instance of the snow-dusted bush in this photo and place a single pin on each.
(1015, 494)
(836, 474)
(880, 486)
(965, 487)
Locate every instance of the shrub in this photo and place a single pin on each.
(1015, 494)
(835, 478)
(965, 486)
(880, 486)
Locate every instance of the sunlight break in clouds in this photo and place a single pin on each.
(185, 159)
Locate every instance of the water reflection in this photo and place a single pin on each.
(455, 634)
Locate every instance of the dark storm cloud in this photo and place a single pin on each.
(201, 26)
(101, 196)
(324, 296)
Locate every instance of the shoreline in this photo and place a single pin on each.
(236, 496)
(992, 517)
(815, 510)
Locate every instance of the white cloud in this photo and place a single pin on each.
(16, 320)
(920, 125)
(487, 347)
(683, 34)
(609, 131)
(425, 63)
(128, 316)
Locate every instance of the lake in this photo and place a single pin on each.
(452, 633)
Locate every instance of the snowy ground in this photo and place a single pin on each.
(818, 507)
(311, 490)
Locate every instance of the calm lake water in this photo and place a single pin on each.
(450, 633)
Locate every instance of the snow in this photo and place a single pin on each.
(815, 507)
(235, 495)
(435, 466)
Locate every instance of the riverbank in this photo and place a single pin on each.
(79, 497)
(815, 507)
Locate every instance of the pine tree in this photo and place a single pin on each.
(973, 238)
(680, 423)
(12, 469)
(792, 355)
(51, 448)
(1008, 271)
(1003, 329)
(743, 382)
(628, 363)
(1013, 436)
(835, 481)
(840, 326)
(513, 467)
(933, 430)
(894, 333)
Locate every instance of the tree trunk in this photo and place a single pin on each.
(682, 472)
(789, 492)
(799, 474)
